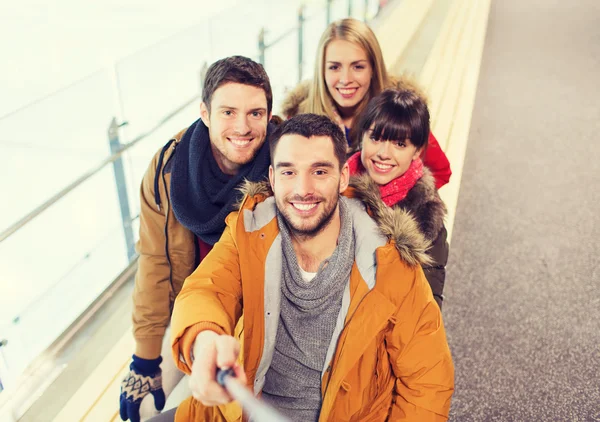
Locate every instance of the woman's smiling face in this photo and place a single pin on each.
(386, 160)
(348, 74)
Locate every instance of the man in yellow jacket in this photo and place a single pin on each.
(339, 321)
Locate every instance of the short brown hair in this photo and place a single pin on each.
(236, 69)
(308, 125)
(396, 115)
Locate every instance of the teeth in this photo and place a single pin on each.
(305, 207)
(383, 166)
(347, 90)
(240, 142)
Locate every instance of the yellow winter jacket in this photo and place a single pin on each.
(391, 360)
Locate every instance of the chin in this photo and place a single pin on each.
(243, 158)
(304, 227)
(347, 103)
(382, 180)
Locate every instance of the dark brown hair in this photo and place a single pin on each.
(308, 125)
(395, 115)
(236, 69)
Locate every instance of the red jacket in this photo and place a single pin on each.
(436, 161)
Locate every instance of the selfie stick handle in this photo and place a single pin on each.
(259, 411)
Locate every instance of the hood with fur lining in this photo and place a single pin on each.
(423, 202)
(295, 101)
(394, 223)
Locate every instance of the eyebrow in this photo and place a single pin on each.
(226, 107)
(327, 164)
(354, 62)
(283, 164)
(286, 164)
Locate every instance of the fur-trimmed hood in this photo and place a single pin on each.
(248, 188)
(422, 203)
(394, 223)
(296, 100)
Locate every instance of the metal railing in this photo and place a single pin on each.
(118, 149)
(299, 30)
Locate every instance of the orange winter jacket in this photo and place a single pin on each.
(390, 360)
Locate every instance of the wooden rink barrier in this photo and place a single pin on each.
(449, 77)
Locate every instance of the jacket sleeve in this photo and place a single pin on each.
(435, 159)
(436, 272)
(151, 294)
(211, 298)
(420, 358)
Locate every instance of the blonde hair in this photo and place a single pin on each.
(319, 99)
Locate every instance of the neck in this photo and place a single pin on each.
(347, 115)
(311, 251)
(226, 166)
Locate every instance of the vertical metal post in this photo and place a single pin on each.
(350, 8)
(300, 41)
(261, 46)
(119, 171)
(328, 12)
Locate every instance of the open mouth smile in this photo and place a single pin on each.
(381, 167)
(240, 142)
(347, 92)
(304, 208)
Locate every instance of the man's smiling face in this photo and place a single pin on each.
(306, 179)
(237, 124)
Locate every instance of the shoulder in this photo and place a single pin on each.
(295, 99)
(157, 165)
(424, 203)
(399, 226)
(162, 155)
(406, 82)
(256, 209)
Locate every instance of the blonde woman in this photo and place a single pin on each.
(349, 71)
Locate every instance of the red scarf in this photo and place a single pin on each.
(397, 189)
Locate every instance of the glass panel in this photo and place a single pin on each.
(47, 146)
(54, 267)
(59, 263)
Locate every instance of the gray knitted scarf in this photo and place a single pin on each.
(309, 312)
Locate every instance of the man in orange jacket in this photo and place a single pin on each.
(339, 320)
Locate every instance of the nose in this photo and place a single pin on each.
(345, 76)
(241, 125)
(383, 151)
(304, 186)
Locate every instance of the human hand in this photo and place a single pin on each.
(144, 377)
(213, 351)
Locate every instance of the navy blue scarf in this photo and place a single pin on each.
(201, 194)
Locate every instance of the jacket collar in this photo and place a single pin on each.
(399, 226)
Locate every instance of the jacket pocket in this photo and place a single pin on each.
(383, 379)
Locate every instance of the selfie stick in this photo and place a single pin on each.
(258, 411)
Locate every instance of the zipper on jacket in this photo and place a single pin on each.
(159, 167)
(333, 358)
(168, 210)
